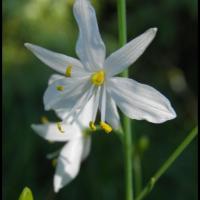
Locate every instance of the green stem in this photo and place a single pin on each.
(168, 163)
(128, 158)
(121, 4)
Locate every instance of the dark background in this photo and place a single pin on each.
(169, 64)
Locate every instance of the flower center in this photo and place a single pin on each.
(98, 78)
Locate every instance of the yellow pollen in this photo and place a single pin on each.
(44, 120)
(106, 127)
(68, 71)
(59, 88)
(92, 126)
(60, 127)
(98, 78)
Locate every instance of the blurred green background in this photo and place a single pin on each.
(169, 64)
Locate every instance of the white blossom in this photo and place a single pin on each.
(93, 77)
(77, 144)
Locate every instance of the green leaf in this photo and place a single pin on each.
(26, 194)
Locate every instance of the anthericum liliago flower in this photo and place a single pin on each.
(76, 149)
(93, 76)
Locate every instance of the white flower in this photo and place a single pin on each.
(93, 76)
(74, 151)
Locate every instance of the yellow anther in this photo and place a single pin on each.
(106, 127)
(59, 88)
(98, 78)
(68, 71)
(92, 126)
(60, 127)
(54, 162)
(44, 120)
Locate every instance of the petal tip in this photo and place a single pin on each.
(33, 126)
(56, 189)
(173, 114)
(47, 107)
(56, 184)
(155, 29)
(27, 45)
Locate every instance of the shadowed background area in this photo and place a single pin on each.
(169, 65)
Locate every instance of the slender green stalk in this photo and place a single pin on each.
(126, 122)
(168, 163)
(128, 159)
(121, 4)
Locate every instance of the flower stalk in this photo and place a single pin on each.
(121, 6)
(193, 133)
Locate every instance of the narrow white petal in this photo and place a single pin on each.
(50, 132)
(96, 104)
(87, 147)
(86, 115)
(56, 61)
(68, 164)
(73, 89)
(55, 77)
(140, 101)
(128, 54)
(103, 103)
(62, 113)
(90, 47)
(112, 115)
(80, 105)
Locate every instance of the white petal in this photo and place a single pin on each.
(68, 164)
(86, 114)
(90, 47)
(55, 77)
(56, 61)
(80, 105)
(73, 89)
(87, 147)
(103, 103)
(96, 103)
(62, 113)
(112, 115)
(140, 101)
(50, 132)
(128, 54)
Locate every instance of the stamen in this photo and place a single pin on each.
(59, 88)
(106, 127)
(98, 78)
(60, 127)
(44, 120)
(68, 71)
(92, 126)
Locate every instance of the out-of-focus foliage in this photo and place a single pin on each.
(169, 64)
(26, 194)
